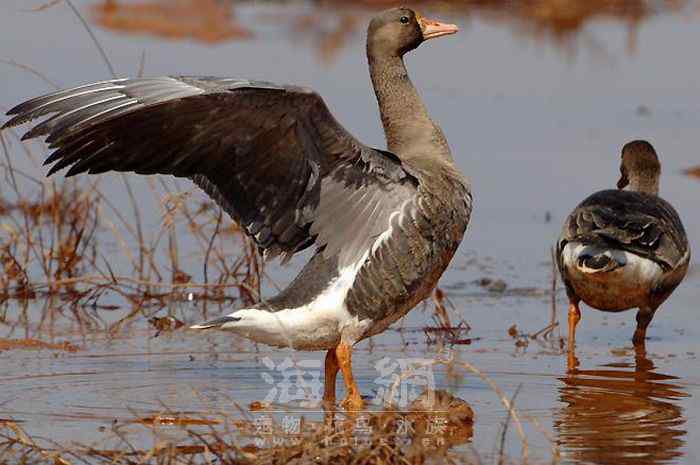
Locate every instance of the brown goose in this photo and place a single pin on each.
(384, 224)
(623, 249)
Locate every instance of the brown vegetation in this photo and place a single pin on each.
(426, 431)
(69, 244)
(11, 344)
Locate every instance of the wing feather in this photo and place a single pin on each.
(635, 222)
(272, 156)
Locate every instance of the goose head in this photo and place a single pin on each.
(397, 31)
(640, 168)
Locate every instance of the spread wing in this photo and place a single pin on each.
(639, 223)
(266, 153)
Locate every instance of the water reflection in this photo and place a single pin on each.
(330, 24)
(209, 21)
(426, 432)
(624, 414)
(435, 422)
(695, 172)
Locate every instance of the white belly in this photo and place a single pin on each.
(318, 325)
(623, 288)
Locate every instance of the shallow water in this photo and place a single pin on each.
(536, 126)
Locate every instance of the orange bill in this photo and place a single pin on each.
(432, 29)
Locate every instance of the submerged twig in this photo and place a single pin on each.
(504, 431)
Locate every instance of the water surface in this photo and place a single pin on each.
(537, 126)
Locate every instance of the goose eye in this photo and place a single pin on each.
(404, 20)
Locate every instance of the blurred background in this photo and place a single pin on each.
(536, 98)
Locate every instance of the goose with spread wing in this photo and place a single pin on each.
(384, 224)
(623, 249)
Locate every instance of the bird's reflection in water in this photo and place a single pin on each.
(623, 414)
(433, 423)
(208, 21)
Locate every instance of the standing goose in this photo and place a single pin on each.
(623, 249)
(384, 224)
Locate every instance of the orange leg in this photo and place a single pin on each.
(644, 317)
(572, 362)
(643, 366)
(331, 374)
(329, 389)
(574, 318)
(352, 401)
(639, 338)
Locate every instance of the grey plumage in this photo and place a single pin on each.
(276, 160)
(262, 151)
(640, 223)
(384, 224)
(623, 249)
